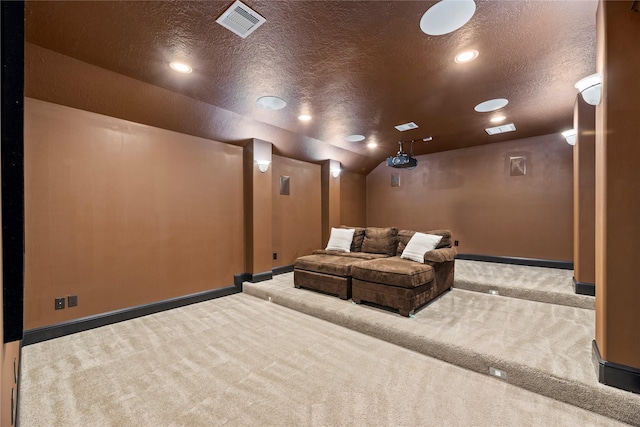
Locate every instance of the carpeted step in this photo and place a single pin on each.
(545, 348)
(549, 285)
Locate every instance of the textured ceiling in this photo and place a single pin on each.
(358, 67)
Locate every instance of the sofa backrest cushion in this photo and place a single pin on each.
(405, 235)
(358, 238)
(380, 240)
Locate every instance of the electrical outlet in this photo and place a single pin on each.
(59, 303)
(455, 243)
(72, 300)
(275, 255)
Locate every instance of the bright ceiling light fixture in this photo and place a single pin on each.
(271, 103)
(447, 16)
(467, 56)
(180, 67)
(497, 119)
(491, 105)
(304, 117)
(570, 136)
(372, 144)
(591, 88)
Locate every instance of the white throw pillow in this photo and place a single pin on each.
(420, 244)
(340, 239)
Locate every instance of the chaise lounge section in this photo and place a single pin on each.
(404, 284)
(329, 271)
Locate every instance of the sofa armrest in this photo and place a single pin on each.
(440, 255)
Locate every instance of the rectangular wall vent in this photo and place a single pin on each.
(240, 19)
(407, 126)
(501, 129)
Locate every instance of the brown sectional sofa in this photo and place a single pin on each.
(374, 272)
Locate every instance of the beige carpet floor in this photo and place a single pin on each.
(550, 285)
(545, 348)
(240, 360)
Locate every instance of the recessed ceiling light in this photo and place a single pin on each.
(491, 105)
(355, 138)
(304, 117)
(497, 119)
(372, 144)
(501, 129)
(447, 16)
(180, 67)
(271, 103)
(467, 56)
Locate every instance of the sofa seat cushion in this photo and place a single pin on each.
(335, 265)
(394, 271)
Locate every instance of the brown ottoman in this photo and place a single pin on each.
(325, 273)
(395, 282)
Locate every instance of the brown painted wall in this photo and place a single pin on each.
(618, 185)
(584, 192)
(257, 213)
(330, 199)
(123, 214)
(353, 199)
(297, 218)
(470, 191)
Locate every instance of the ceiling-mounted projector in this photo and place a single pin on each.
(402, 159)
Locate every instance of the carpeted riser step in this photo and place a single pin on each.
(600, 399)
(548, 285)
(579, 301)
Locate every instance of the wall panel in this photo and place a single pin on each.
(297, 218)
(123, 214)
(471, 192)
(353, 199)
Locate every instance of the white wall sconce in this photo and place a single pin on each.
(335, 172)
(263, 165)
(570, 136)
(591, 88)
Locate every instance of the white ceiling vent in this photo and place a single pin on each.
(407, 126)
(501, 129)
(240, 19)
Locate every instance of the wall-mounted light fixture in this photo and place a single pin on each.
(335, 172)
(570, 136)
(263, 165)
(591, 88)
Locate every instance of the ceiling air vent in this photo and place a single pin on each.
(240, 19)
(501, 129)
(406, 126)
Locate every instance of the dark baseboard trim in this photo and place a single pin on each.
(260, 277)
(533, 262)
(615, 375)
(283, 269)
(45, 333)
(583, 288)
(238, 279)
